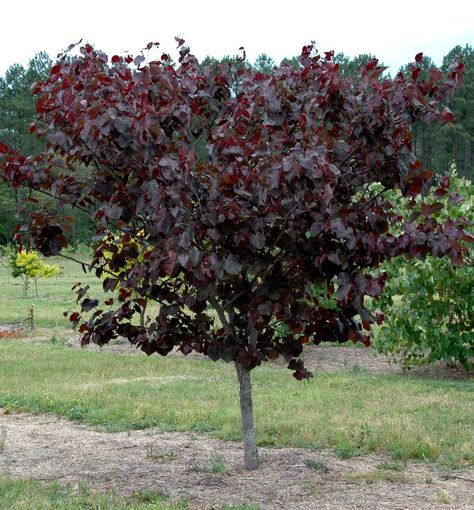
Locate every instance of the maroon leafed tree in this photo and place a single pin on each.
(242, 203)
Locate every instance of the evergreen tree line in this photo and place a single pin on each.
(436, 146)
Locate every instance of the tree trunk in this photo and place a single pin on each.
(26, 284)
(246, 411)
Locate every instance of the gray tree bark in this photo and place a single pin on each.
(248, 426)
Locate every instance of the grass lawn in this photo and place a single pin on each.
(352, 412)
(32, 494)
(36, 495)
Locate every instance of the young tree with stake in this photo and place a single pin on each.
(242, 201)
(29, 266)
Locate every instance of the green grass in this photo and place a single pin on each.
(378, 476)
(33, 494)
(216, 465)
(28, 494)
(317, 465)
(352, 412)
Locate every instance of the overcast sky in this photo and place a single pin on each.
(394, 31)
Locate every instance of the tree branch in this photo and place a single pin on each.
(221, 313)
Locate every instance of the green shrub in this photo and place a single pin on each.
(429, 304)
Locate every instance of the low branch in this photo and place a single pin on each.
(234, 299)
(111, 273)
(75, 206)
(221, 313)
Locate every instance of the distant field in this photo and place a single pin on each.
(55, 294)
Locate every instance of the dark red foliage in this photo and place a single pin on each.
(247, 204)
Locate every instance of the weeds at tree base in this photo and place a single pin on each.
(59, 342)
(215, 465)
(317, 465)
(160, 455)
(377, 476)
(391, 466)
(443, 496)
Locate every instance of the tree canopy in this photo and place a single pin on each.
(435, 146)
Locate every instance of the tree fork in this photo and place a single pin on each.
(248, 425)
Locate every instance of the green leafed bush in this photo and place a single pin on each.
(429, 303)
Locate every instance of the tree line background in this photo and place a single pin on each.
(436, 145)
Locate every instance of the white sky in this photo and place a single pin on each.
(393, 30)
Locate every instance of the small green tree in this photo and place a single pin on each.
(428, 302)
(30, 267)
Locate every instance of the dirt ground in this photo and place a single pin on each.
(177, 464)
(49, 448)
